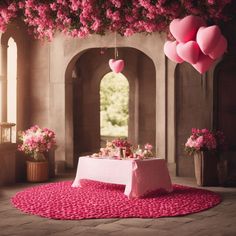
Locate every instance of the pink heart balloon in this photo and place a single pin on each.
(203, 64)
(116, 65)
(185, 29)
(208, 37)
(188, 51)
(170, 51)
(219, 49)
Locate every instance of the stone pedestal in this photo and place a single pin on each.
(205, 164)
(7, 164)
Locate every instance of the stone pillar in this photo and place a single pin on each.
(3, 82)
(171, 159)
(161, 105)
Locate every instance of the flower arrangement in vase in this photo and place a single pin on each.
(203, 145)
(34, 142)
(148, 150)
(200, 140)
(121, 148)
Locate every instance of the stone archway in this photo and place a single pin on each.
(61, 74)
(89, 69)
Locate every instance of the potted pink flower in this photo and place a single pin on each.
(200, 140)
(35, 142)
(203, 145)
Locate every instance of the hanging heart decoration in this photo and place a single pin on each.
(185, 29)
(203, 64)
(116, 65)
(207, 38)
(188, 51)
(219, 48)
(195, 43)
(170, 51)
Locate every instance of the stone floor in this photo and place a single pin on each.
(218, 221)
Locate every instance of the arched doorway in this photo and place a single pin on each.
(89, 69)
(114, 107)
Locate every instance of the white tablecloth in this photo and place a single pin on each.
(139, 176)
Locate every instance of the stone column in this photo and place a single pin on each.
(161, 106)
(3, 82)
(171, 152)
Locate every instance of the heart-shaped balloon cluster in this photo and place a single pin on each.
(195, 43)
(116, 65)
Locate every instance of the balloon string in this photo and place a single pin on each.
(116, 50)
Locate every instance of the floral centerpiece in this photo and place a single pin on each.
(35, 141)
(121, 148)
(121, 143)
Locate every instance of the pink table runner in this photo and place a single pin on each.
(139, 176)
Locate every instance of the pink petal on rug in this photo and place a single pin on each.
(99, 200)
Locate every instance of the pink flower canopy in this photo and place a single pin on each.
(81, 18)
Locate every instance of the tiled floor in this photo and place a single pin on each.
(218, 221)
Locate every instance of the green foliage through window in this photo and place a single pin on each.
(114, 98)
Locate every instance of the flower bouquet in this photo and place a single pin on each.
(35, 141)
(203, 145)
(121, 148)
(200, 140)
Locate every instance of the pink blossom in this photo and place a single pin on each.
(53, 6)
(202, 139)
(129, 32)
(36, 140)
(148, 146)
(80, 18)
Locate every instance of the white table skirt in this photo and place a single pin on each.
(139, 176)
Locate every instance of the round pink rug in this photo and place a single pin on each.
(99, 200)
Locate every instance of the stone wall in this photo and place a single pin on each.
(178, 100)
(61, 57)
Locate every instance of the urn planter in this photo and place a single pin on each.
(37, 171)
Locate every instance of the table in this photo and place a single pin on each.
(139, 176)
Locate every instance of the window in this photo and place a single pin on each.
(12, 84)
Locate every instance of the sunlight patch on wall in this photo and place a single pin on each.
(12, 84)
